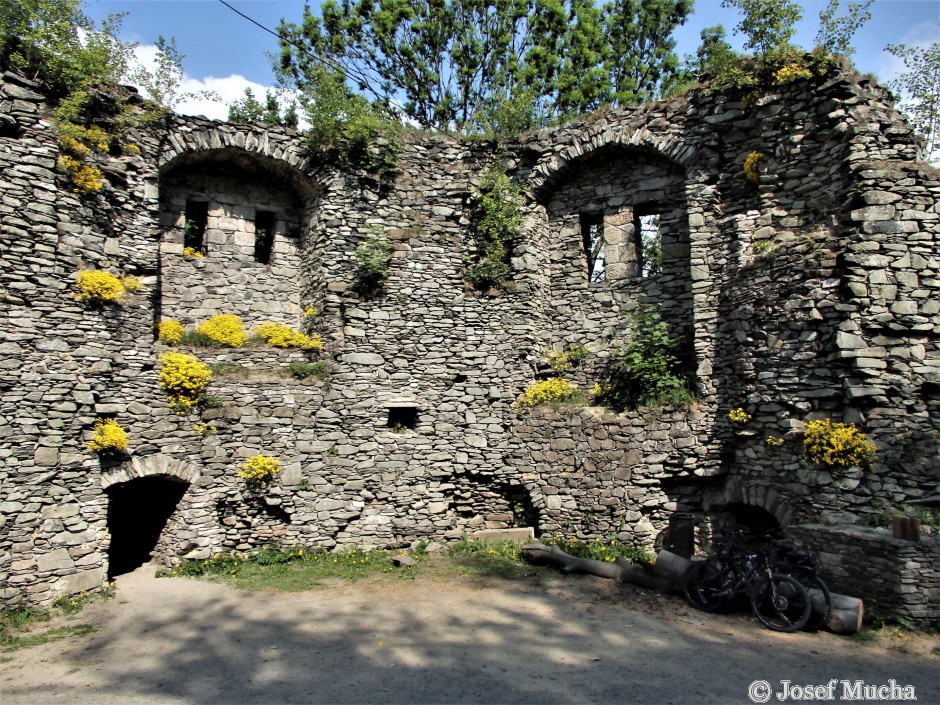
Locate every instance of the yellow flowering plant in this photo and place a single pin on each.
(739, 415)
(170, 332)
(774, 441)
(184, 379)
(547, 391)
(130, 282)
(99, 287)
(110, 438)
(259, 470)
(311, 312)
(750, 166)
(836, 444)
(790, 73)
(225, 329)
(192, 253)
(282, 336)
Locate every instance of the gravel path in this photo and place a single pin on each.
(574, 640)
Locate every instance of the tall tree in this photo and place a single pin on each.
(769, 26)
(835, 32)
(463, 64)
(55, 43)
(919, 88)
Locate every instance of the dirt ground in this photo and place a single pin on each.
(571, 640)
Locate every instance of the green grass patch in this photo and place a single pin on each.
(20, 626)
(304, 370)
(295, 568)
(598, 549)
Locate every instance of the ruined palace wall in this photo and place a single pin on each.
(787, 330)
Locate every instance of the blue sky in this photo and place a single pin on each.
(226, 53)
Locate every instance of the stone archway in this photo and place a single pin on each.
(142, 497)
(736, 493)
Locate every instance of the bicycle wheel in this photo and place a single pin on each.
(819, 597)
(780, 603)
(701, 585)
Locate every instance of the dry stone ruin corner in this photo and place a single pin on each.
(812, 292)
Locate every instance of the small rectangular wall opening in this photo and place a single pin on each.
(650, 244)
(402, 418)
(264, 236)
(592, 241)
(195, 222)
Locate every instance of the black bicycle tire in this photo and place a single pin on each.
(810, 580)
(698, 587)
(788, 607)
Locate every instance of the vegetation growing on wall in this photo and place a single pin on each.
(95, 286)
(170, 332)
(562, 361)
(547, 392)
(646, 372)
(259, 470)
(836, 444)
(373, 257)
(184, 379)
(283, 336)
(110, 438)
(225, 330)
(496, 224)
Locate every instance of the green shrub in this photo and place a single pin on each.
(373, 256)
(646, 372)
(496, 223)
(303, 370)
(551, 391)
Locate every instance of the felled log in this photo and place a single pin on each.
(664, 575)
(667, 575)
(847, 613)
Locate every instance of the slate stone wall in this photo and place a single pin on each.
(833, 317)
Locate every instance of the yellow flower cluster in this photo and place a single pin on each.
(558, 361)
(790, 73)
(311, 312)
(739, 415)
(750, 166)
(836, 444)
(183, 378)
(281, 336)
(546, 391)
(774, 442)
(192, 253)
(86, 178)
(98, 286)
(110, 437)
(170, 331)
(204, 429)
(225, 329)
(131, 147)
(258, 470)
(601, 388)
(130, 282)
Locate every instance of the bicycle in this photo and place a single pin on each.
(801, 565)
(778, 601)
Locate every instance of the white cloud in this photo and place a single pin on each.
(227, 88)
(888, 66)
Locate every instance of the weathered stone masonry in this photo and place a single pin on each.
(812, 293)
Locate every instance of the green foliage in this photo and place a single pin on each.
(40, 39)
(919, 88)
(598, 549)
(494, 66)
(250, 110)
(345, 128)
(835, 33)
(373, 256)
(496, 223)
(646, 372)
(289, 567)
(303, 370)
(769, 26)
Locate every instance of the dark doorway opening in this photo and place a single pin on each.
(137, 513)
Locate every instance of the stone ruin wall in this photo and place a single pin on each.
(837, 318)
